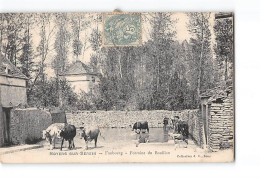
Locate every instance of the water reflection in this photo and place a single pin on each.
(122, 134)
(165, 134)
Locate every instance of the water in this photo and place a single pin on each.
(156, 135)
(116, 137)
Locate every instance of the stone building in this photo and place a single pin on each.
(18, 125)
(217, 115)
(12, 93)
(81, 77)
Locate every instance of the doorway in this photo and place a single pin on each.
(7, 117)
(205, 118)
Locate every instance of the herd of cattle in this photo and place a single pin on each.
(67, 132)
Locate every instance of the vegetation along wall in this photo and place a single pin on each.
(26, 125)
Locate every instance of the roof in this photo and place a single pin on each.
(77, 68)
(14, 71)
(216, 93)
(222, 15)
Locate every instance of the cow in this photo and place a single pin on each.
(142, 138)
(52, 133)
(182, 128)
(181, 131)
(89, 134)
(138, 126)
(68, 133)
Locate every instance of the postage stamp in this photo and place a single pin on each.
(122, 29)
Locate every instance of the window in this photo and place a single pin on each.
(4, 69)
(93, 79)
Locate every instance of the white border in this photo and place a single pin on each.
(247, 70)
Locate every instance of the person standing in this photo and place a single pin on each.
(165, 122)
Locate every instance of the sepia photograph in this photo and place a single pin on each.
(118, 87)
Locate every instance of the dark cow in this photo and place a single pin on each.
(181, 131)
(90, 134)
(68, 133)
(138, 126)
(183, 128)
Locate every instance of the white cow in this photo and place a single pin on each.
(52, 132)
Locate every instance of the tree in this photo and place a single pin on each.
(26, 58)
(61, 47)
(2, 30)
(61, 44)
(12, 34)
(202, 56)
(43, 49)
(78, 23)
(154, 76)
(223, 29)
(95, 40)
(47, 95)
(43, 20)
(159, 52)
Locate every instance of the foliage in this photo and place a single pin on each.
(12, 31)
(163, 73)
(224, 47)
(46, 94)
(61, 44)
(32, 140)
(202, 57)
(153, 76)
(78, 23)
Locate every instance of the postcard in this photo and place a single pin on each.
(119, 87)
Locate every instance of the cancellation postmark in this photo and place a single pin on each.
(122, 29)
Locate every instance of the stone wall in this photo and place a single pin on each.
(221, 124)
(27, 124)
(195, 126)
(120, 119)
(12, 90)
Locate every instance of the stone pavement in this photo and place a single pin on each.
(12, 149)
